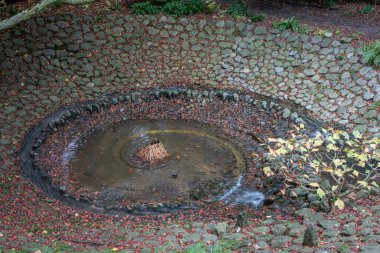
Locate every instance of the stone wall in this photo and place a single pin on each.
(47, 62)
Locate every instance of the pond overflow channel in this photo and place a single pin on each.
(85, 154)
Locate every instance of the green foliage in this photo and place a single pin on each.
(184, 7)
(229, 245)
(375, 105)
(161, 2)
(13, 10)
(202, 248)
(237, 10)
(115, 6)
(344, 157)
(330, 4)
(194, 6)
(196, 248)
(13, 251)
(366, 9)
(211, 6)
(175, 8)
(290, 24)
(371, 53)
(258, 17)
(144, 8)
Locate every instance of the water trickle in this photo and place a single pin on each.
(238, 196)
(232, 190)
(253, 199)
(69, 151)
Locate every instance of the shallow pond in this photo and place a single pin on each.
(201, 158)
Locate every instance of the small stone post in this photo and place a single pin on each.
(310, 237)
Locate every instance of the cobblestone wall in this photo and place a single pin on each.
(70, 58)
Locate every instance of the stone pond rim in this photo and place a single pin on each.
(35, 136)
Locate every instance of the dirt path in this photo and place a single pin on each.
(345, 16)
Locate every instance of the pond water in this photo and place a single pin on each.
(202, 161)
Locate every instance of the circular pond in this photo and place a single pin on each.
(157, 150)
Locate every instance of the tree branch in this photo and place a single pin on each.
(38, 8)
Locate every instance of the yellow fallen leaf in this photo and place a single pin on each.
(321, 193)
(314, 184)
(339, 203)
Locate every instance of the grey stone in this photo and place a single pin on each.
(330, 233)
(209, 238)
(260, 30)
(296, 230)
(232, 236)
(286, 113)
(294, 115)
(368, 95)
(220, 228)
(89, 37)
(153, 31)
(296, 63)
(117, 30)
(321, 205)
(279, 241)
(194, 237)
(299, 121)
(49, 52)
(279, 229)
(333, 94)
(264, 104)
(241, 219)
(364, 232)
(309, 72)
(374, 248)
(260, 230)
(329, 224)
(310, 238)
(279, 69)
(326, 42)
(9, 109)
(316, 39)
(6, 65)
(53, 27)
(300, 191)
(349, 229)
(362, 194)
(260, 245)
(54, 98)
(303, 212)
(313, 218)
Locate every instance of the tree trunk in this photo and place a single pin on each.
(38, 8)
